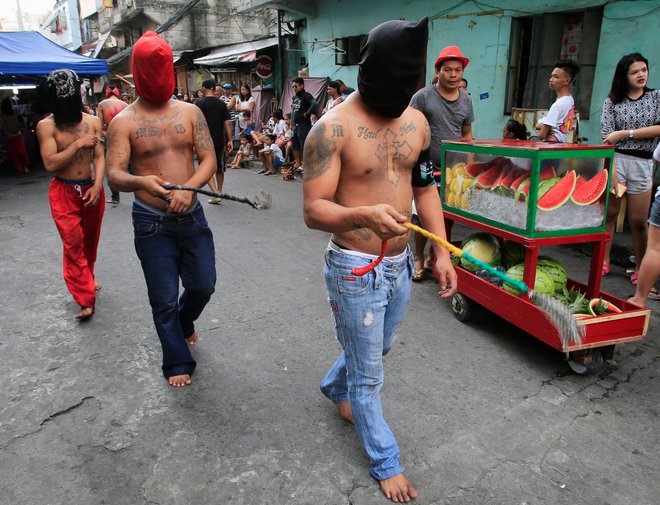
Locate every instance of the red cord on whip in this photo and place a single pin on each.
(360, 271)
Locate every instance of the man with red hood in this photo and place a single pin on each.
(172, 237)
(107, 110)
(361, 175)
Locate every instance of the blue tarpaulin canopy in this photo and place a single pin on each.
(30, 53)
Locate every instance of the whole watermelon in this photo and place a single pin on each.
(543, 283)
(512, 253)
(555, 270)
(484, 247)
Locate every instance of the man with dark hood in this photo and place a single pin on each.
(361, 175)
(107, 110)
(69, 145)
(172, 237)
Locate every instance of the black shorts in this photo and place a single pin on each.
(299, 136)
(220, 159)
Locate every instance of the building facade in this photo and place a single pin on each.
(512, 46)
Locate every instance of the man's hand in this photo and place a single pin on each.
(230, 146)
(92, 196)
(384, 220)
(153, 185)
(180, 201)
(87, 141)
(446, 275)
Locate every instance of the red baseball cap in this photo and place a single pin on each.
(451, 53)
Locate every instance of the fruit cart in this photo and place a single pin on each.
(530, 195)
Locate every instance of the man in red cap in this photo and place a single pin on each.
(172, 238)
(449, 112)
(107, 110)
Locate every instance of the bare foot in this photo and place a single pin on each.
(398, 489)
(97, 285)
(192, 339)
(85, 313)
(345, 411)
(179, 381)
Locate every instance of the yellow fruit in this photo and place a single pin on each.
(464, 202)
(451, 199)
(467, 182)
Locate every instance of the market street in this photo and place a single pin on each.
(483, 412)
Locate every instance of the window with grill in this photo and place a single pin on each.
(537, 42)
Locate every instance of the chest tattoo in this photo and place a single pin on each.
(391, 150)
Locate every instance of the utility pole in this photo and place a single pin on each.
(19, 15)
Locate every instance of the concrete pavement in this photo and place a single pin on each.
(483, 412)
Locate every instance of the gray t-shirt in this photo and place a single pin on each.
(446, 118)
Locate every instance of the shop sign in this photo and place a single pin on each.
(264, 66)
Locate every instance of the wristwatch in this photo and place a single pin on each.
(630, 134)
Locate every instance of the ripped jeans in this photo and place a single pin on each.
(367, 312)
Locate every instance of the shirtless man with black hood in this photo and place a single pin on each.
(361, 175)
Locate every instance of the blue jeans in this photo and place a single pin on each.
(172, 247)
(367, 312)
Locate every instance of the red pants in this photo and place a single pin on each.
(17, 152)
(80, 229)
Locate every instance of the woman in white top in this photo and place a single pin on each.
(335, 97)
(244, 103)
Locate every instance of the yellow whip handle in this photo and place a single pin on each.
(446, 244)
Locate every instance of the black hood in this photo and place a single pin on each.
(392, 62)
(64, 98)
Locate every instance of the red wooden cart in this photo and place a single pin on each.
(526, 224)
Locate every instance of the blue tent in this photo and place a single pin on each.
(30, 54)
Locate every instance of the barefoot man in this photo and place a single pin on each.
(67, 139)
(360, 179)
(172, 238)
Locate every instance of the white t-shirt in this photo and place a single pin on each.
(561, 117)
(276, 149)
(279, 128)
(240, 107)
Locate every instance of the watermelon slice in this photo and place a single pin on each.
(508, 179)
(474, 169)
(516, 183)
(599, 306)
(507, 172)
(523, 190)
(488, 178)
(547, 173)
(558, 194)
(580, 181)
(590, 191)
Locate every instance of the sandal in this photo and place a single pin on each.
(633, 278)
(418, 275)
(605, 269)
(262, 171)
(653, 294)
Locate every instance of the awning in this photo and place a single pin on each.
(235, 53)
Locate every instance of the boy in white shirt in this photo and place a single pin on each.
(271, 155)
(561, 116)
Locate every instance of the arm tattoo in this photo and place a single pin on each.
(427, 129)
(337, 130)
(319, 150)
(407, 128)
(202, 138)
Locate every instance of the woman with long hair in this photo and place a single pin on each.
(631, 122)
(244, 103)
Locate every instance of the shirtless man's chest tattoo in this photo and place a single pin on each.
(75, 131)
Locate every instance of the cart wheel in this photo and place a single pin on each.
(462, 307)
(584, 362)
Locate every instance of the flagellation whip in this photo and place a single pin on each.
(556, 312)
(259, 203)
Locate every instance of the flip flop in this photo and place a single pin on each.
(633, 278)
(418, 275)
(653, 294)
(605, 269)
